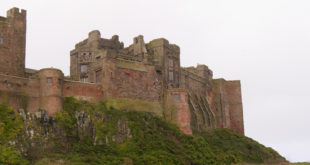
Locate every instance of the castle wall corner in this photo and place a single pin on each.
(177, 109)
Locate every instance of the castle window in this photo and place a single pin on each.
(170, 62)
(98, 76)
(177, 97)
(171, 76)
(49, 80)
(59, 82)
(84, 68)
(98, 59)
(84, 79)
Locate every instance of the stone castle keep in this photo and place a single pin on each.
(143, 77)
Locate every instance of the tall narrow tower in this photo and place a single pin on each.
(13, 42)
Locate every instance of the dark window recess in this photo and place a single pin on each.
(49, 81)
(98, 76)
(59, 82)
(98, 59)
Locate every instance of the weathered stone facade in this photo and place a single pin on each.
(143, 77)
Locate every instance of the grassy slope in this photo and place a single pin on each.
(153, 141)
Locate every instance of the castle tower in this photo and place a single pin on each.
(13, 42)
(168, 58)
(51, 90)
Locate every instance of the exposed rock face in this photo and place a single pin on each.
(42, 132)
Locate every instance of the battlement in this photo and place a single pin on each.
(200, 70)
(14, 12)
(94, 41)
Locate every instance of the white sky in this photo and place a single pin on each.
(263, 43)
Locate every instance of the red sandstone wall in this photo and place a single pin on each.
(228, 103)
(84, 91)
(177, 109)
(131, 80)
(234, 99)
(19, 93)
(12, 50)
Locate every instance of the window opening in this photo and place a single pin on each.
(98, 76)
(84, 79)
(171, 76)
(49, 81)
(59, 82)
(170, 62)
(98, 59)
(84, 68)
(177, 97)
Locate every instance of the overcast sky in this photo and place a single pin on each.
(263, 43)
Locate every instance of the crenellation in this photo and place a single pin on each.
(143, 77)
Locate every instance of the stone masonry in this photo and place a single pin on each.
(143, 77)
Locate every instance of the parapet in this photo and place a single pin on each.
(16, 12)
(94, 35)
(94, 41)
(158, 42)
(200, 70)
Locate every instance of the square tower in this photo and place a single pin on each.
(13, 42)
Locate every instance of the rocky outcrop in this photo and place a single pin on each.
(43, 133)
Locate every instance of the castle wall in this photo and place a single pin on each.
(83, 91)
(177, 109)
(19, 93)
(130, 79)
(233, 91)
(228, 103)
(193, 82)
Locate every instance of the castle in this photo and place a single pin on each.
(144, 77)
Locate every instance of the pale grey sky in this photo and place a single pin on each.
(263, 43)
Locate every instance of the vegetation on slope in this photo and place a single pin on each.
(10, 126)
(151, 141)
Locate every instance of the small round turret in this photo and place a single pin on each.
(51, 90)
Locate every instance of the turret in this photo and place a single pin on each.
(51, 90)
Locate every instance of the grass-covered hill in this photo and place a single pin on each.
(84, 134)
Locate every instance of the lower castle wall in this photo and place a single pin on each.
(233, 91)
(83, 91)
(19, 93)
(177, 109)
(24, 93)
(228, 103)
